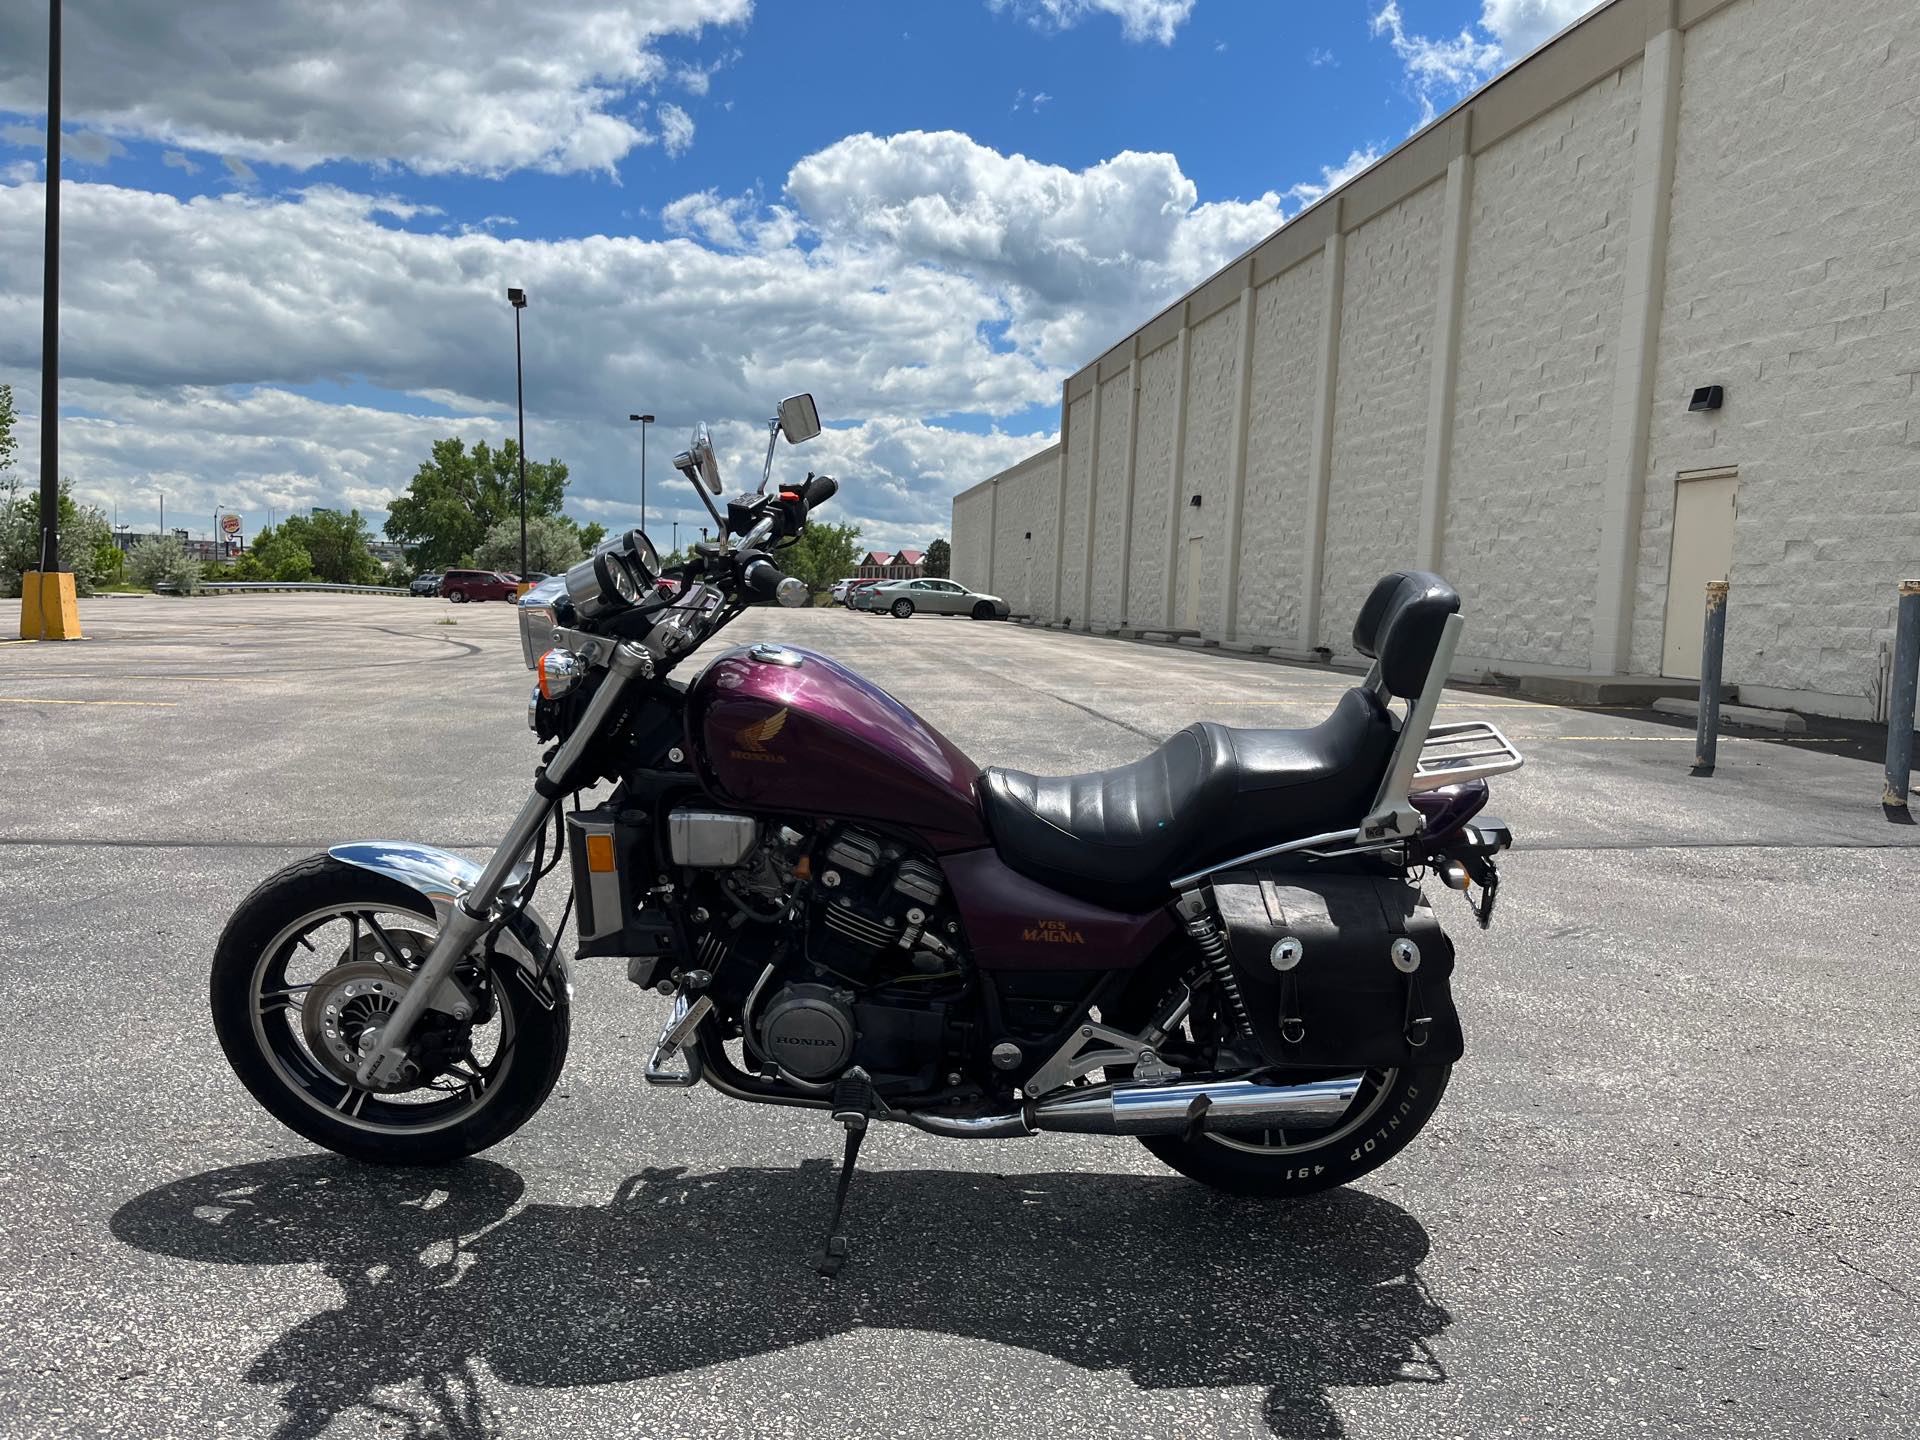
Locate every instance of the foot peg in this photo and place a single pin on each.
(853, 1106)
(681, 1024)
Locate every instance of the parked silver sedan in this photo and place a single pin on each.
(935, 597)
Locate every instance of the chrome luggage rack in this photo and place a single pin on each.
(1454, 754)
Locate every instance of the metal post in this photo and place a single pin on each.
(1712, 641)
(520, 404)
(50, 323)
(1906, 682)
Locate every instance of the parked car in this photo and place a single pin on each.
(936, 597)
(425, 585)
(860, 595)
(460, 586)
(841, 587)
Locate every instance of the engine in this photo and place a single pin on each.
(854, 959)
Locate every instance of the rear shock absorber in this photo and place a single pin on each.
(1211, 939)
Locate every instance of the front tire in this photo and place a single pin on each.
(1392, 1108)
(458, 597)
(983, 611)
(267, 1020)
(902, 609)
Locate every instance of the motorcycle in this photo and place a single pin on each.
(1222, 949)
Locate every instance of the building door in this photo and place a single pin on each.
(1702, 550)
(1196, 557)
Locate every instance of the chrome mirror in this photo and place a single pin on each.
(799, 420)
(698, 463)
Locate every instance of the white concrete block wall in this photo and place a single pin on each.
(1380, 408)
(1022, 566)
(1213, 360)
(1075, 477)
(1152, 485)
(970, 544)
(1793, 279)
(1286, 332)
(1110, 501)
(1539, 319)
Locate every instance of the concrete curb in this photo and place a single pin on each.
(1750, 716)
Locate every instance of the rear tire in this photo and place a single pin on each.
(1381, 1125)
(303, 1096)
(902, 609)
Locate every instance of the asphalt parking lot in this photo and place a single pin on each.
(1670, 1192)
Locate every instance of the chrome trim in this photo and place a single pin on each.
(967, 1127)
(1202, 1105)
(710, 839)
(776, 655)
(1392, 812)
(1319, 847)
(681, 1023)
(1468, 750)
(442, 877)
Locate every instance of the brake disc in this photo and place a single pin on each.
(344, 1012)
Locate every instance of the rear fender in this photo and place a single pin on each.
(441, 877)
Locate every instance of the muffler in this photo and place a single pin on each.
(1179, 1108)
(1147, 1109)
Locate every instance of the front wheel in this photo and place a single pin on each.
(902, 608)
(983, 611)
(304, 975)
(1392, 1107)
(458, 597)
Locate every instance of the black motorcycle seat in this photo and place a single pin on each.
(1116, 837)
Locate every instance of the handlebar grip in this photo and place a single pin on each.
(761, 578)
(820, 489)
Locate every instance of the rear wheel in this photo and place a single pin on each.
(304, 975)
(902, 608)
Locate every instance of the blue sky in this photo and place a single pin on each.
(287, 238)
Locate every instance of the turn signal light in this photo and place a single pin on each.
(559, 671)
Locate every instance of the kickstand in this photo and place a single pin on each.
(852, 1104)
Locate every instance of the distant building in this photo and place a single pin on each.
(892, 565)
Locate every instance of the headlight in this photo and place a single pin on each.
(537, 619)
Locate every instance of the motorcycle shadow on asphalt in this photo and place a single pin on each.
(1158, 1277)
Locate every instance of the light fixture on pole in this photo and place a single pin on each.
(644, 421)
(47, 606)
(517, 298)
(163, 510)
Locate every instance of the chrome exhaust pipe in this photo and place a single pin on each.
(1147, 1109)
(1217, 1105)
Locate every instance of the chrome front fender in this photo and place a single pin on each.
(441, 877)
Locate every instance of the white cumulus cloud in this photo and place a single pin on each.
(1140, 20)
(481, 86)
(1441, 71)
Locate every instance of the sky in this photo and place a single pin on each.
(288, 226)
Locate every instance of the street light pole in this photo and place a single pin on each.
(50, 320)
(517, 298)
(644, 421)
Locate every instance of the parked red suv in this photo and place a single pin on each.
(460, 586)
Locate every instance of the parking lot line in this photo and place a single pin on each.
(143, 704)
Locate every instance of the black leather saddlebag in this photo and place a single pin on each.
(1346, 971)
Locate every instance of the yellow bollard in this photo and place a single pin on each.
(49, 606)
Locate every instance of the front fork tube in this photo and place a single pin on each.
(471, 915)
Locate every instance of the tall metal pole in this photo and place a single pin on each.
(643, 474)
(1906, 684)
(520, 403)
(50, 319)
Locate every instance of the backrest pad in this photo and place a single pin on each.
(1400, 627)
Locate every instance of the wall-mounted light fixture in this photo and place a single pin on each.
(1194, 502)
(1029, 534)
(1707, 397)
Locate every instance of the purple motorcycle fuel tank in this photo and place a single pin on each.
(775, 727)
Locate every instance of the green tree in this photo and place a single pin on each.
(84, 534)
(163, 558)
(336, 546)
(460, 494)
(591, 534)
(822, 554)
(553, 543)
(939, 559)
(8, 444)
(275, 555)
